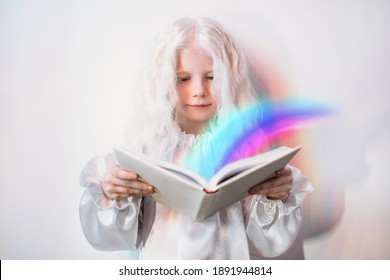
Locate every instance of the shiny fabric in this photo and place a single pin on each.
(253, 228)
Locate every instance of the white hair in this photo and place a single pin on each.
(152, 127)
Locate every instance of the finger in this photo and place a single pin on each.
(141, 187)
(112, 187)
(129, 191)
(277, 181)
(135, 184)
(271, 184)
(119, 192)
(283, 176)
(286, 171)
(275, 196)
(124, 174)
(144, 187)
(281, 189)
(124, 193)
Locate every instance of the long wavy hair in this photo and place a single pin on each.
(152, 128)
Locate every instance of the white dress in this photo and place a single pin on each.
(253, 228)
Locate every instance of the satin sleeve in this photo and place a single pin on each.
(107, 224)
(273, 225)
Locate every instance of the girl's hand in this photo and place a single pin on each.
(277, 187)
(120, 183)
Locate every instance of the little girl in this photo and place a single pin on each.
(195, 73)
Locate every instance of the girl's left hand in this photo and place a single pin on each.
(277, 187)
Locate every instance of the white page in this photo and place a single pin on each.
(244, 164)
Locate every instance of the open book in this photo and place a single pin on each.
(187, 192)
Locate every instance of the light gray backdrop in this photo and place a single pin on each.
(66, 70)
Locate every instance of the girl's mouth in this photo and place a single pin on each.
(199, 105)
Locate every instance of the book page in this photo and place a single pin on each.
(237, 187)
(138, 158)
(239, 166)
(185, 174)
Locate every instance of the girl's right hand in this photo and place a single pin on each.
(119, 183)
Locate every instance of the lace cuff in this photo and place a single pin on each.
(267, 209)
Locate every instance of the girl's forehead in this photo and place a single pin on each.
(193, 56)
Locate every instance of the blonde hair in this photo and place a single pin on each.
(152, 127)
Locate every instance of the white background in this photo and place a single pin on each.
(66, 69)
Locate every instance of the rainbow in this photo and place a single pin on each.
(248, 131)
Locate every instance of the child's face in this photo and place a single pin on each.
(196, 103)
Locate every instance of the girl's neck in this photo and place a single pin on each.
(195, 130)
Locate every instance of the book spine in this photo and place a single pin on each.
(205, 205)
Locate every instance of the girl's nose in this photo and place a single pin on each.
(198, 89)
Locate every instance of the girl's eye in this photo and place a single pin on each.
(210, 77)
(183, 79)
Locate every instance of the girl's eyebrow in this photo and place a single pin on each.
(182, 72)
(187, 73)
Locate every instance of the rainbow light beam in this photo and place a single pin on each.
(248, 131)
